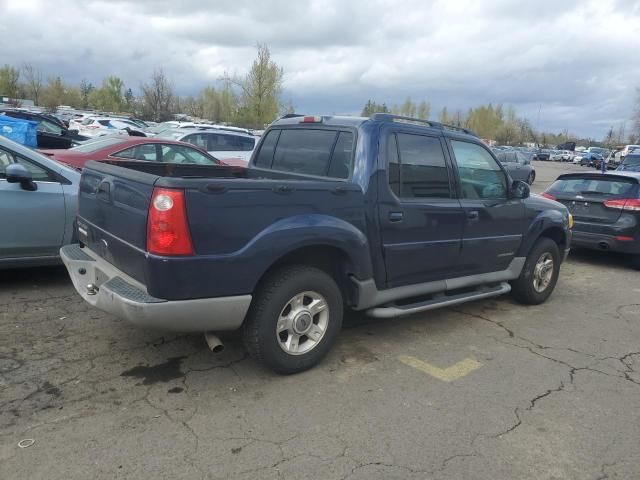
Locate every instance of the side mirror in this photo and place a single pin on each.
(17, 173)
(520, 189)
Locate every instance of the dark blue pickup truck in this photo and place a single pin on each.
(388, 215)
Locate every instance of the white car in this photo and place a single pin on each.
(628, 149)
(99, 126)
(222, 144)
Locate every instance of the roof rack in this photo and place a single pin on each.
(290, 115)
(389, 117)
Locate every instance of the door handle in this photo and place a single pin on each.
(473, 215)
(396, 216)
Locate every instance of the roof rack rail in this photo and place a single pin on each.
(290, 115)
(389, 117)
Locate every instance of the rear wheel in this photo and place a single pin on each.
(540, 273)
(294, 319)
(635, 261)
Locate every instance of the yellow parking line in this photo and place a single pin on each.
(454, 372)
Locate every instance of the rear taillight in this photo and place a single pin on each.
(631, 204)
(167, 227)
(547, 195)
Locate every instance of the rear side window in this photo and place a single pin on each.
(614, 187)
(325, 153)
(418, 168)
(304, 151)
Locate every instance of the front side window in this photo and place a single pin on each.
(480, 175)
(49, 127)
(38, 173)
(417, 167)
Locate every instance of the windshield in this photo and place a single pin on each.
(96, 145)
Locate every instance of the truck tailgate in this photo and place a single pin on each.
(112, 215)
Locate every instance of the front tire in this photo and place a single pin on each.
(531, 178)
(540, 273)
(294, 319)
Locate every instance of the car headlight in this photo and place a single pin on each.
(570, 221)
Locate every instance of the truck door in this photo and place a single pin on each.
(494, 222)
(421, 221)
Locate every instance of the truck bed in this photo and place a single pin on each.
(238, 225)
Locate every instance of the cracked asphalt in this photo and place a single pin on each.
(557, 395)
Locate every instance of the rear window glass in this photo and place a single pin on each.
(592, 186)
(96, 145)
(308, 151)
(632, 162)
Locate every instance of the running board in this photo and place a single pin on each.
(439, 301)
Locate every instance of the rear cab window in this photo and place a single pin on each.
(318, 152)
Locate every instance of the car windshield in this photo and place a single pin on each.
(96, 145)
(603, 186)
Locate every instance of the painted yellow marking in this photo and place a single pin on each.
(454, 372)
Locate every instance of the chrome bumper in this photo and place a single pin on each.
(113, 291)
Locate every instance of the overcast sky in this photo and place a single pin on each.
(579, 60)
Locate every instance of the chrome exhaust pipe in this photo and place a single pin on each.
(215, 344)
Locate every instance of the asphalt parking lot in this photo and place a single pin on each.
(486, 390)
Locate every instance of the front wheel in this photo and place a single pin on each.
(540, 273)
(294, 319)
(531, 178)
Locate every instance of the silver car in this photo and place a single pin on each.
(38, 202)
(517, 164)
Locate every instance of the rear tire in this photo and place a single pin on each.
(635, 261)
(294, 319)
(540, 273)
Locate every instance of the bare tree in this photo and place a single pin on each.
(157, 97)
(33, 78)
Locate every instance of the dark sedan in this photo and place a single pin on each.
(605, 208)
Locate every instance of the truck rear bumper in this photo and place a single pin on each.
(117, 293)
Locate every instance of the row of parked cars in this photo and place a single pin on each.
(330, 214)
(68, 142)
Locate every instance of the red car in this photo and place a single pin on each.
(136, 148)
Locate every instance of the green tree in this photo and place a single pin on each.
(109, 96)
(9, 82)
(85, 90)
(53, 93)
(443, 116)
(260, 90)
(408, 108)
(424, 110)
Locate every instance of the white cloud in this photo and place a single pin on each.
(575, 58)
